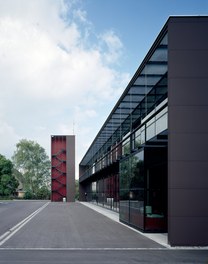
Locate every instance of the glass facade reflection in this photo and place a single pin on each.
(151, 137)
(136, 190)
(143, 189)
(104, 192)
(122, 169)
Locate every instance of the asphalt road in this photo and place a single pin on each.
(12, 212)
(72, 233)
(102, 257)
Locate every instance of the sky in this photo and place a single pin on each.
(64, 64)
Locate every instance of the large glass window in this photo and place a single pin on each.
(105, 192)
(124, 189)
(132, 190)
(156, 189)
(143, 189)
(137, 170)
(136, 190)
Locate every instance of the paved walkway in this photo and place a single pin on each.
(159, 238)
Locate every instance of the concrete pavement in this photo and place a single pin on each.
(74, 233)
(160, 238)
(93, 256)
(64, 225)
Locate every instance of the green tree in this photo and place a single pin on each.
(28, 195)
(43, 193)
(8, 183)
(31, 160)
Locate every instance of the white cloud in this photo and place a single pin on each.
(114, 46)
(8, 138)
(82, 15)
(50, 75)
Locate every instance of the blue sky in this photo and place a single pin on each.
(138, 22)
(64, 64)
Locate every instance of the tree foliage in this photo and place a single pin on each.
(8, 183)
(43, 193)
(33, 164)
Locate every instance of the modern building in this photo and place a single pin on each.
(149, 160)
(63, 168)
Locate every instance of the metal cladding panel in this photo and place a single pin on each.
(187, 131)
(58, 168)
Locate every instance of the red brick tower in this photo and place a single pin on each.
(62, 168)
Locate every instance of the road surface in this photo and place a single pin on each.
(73, 233)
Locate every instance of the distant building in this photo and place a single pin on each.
(149, 160)
(20, 193)
(63, 168)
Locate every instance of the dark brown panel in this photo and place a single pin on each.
(188, 231)
(187, 130)
(191, 91)
(188, 147)
(188, 202)
(189, 119)
(186, 30)
(196, 171)
(188, 63)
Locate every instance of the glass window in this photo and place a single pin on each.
(137, 170)
(137, 140)
(133, 141)
(119, 151)
(104, 162)
(108, 159)
(162, 112)
(151, 131)
(138, 133)
(160, 54)
(155, 69)
(162, 123)
(136, 193)
(126, 147)
(124, 190)
(136, 208)
(124, 174)
(165, 40)
(143, 135)
(124, 207)
(132, 190)
(156, 189)
(147, 81)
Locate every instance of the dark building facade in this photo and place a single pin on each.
(62, 168)
(149, 160)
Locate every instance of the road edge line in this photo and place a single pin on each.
(8, 234)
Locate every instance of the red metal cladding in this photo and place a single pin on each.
(58, 168)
